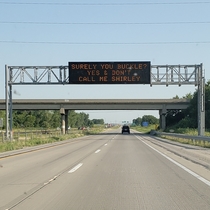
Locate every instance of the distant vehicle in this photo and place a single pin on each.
(125, 128)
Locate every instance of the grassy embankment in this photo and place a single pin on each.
(187, 131)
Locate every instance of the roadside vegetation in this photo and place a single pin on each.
(142, 129)
(194, 142)
(186, 131)
(48, 119)
(23, 139)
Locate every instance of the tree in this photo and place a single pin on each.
(90, 123)
(78, 119)
(176, 97)
(150, 119)
(55, 119)
(72, 118)
(23, 119)
(43, 118)
(189, 118)
(2, 115)
(137, 121)
(98, 121)
(188, 96)
(174, 116)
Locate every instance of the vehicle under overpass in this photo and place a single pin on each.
(64, 105)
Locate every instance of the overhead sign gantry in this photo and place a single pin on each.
(131, 72)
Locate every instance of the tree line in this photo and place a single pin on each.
(188, 118)
(49, 119)
(146, 118)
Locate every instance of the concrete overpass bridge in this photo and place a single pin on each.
(98, 104)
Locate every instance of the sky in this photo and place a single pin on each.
(52, 32)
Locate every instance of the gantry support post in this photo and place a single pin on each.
(7, 101)
(8, 95)
(201, 102)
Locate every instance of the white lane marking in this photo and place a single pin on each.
(54, 178)
(75, 168)
(97, 151)
(180, 165)
(114, 137)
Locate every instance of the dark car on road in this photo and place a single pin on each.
(125, 128)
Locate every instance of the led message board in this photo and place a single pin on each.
(109, 72)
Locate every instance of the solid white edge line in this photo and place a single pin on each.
(75, 168)
(180, 165)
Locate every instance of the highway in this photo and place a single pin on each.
(108, 171)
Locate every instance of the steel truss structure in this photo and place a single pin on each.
(58, 75)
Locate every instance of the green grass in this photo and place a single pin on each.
(143, 129)
(201, 143)
(186, 131)
(34, 140)
(190, 132)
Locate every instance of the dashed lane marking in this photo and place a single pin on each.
(75, 168)
(97, 151)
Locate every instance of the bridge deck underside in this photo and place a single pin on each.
(97, 104)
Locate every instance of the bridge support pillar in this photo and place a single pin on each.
(66, 121)
(162, 114)
(62, 112)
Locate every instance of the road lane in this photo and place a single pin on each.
(124, 174)
(196, 159)
(23, 174)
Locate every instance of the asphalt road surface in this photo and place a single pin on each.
(109, 171)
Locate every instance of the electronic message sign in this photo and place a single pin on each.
(109, 72)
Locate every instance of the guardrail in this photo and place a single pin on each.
(183, 136)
